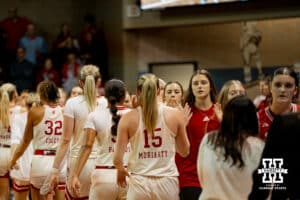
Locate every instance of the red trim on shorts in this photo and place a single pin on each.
(68, 196)
(20, 188)
(5, 175)
(61, 186)
(45, 152)
(104, 167)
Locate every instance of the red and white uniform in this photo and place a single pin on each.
(77, 108)
(152, 162)
(104, 175)
(45, 141)
(265, 119)
(5, 141)
(18, 125)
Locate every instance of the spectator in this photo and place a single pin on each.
(93, 45)
(14, 27)
(70, 72)
(63, 45)
(34, 45)
(22, 72)
(64, 34)
(48, 73)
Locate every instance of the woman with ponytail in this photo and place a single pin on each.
(21, 176)
(8, 108)
(102, 126)
(76, 112)
(44, 128)
(155, 133)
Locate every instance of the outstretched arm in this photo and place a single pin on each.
(182, 141)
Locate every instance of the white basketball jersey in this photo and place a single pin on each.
(5, 133)
(101, 121)
(77, 109)
(153, 155)
(18, 125)
(47, 133)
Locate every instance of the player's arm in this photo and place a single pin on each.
(85, 151)
(64, 141)
(121, 146)
(27, 137)
(182, 141)
(122, 141)
(61, 150)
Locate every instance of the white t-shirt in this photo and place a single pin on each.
(220, 180)
(77, 108)
(101, 121)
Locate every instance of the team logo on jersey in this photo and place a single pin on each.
(273, 172)
(206, 119)
(265, 125)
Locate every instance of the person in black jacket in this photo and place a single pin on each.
(281, 150)
(22, 72)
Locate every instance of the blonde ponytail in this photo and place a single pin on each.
(89, 75)
(7, 93)
(4, 109)
(89, 92)
(148, 85)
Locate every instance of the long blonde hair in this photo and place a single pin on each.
(147, 85)
(223, 94)
(89, 75)
(8, 92)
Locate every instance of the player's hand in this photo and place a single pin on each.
(53, 183)
(187, 113)
(121, 177)
(75, 186)
(13, 165)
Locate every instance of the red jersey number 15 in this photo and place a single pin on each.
(156, 140)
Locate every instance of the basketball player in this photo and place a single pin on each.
(21, 176)
(76, 112)
(8, 108)
(284, 87)
(44, 128)
(102, 125)
(155, 133)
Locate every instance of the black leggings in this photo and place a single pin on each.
(190, 193)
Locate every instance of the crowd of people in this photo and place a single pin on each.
(163, 142)
(69, 140)
(27, 57)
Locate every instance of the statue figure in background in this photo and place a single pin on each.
(249, 43)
